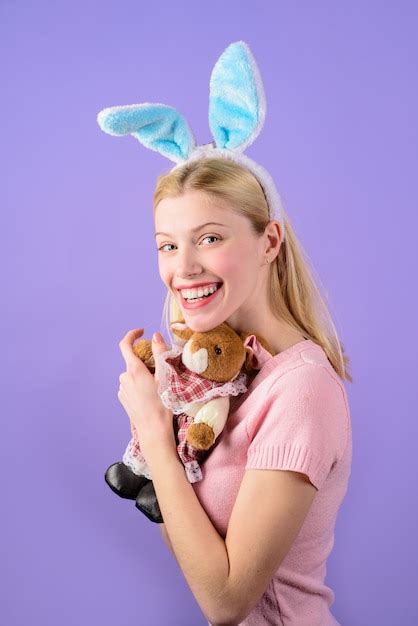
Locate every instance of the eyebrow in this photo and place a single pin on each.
(194, 230)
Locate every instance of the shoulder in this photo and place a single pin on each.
(311, 376)
(311, 393)
(305, 379)
(301, 424)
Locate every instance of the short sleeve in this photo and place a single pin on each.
(303, 426)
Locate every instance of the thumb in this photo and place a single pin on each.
(158, 345)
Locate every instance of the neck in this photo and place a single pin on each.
(279, 335)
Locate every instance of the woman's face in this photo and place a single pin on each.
(203, 244)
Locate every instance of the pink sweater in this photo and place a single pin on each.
(294, 416)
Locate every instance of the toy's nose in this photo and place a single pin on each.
(195, 361)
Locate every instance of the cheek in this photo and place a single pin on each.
(238, 270)
(228, 266)
(165, 272)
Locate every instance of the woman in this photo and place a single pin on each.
(252, 541)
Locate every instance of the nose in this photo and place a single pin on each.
(187, 263)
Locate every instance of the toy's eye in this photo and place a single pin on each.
(218, 350)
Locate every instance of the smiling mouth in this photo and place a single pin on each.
(201, 299)
(213, 289)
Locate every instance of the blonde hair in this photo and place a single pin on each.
(294, 294)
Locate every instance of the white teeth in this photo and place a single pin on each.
(193, 294)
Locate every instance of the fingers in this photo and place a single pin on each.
(125, 346)
(158, 345)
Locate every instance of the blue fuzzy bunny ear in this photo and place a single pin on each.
(237, 103)
(157, 126)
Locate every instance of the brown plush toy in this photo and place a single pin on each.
(197, 377)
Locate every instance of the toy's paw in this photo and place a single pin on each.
(200, 436)
(143, 350)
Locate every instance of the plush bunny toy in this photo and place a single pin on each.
(197, 376)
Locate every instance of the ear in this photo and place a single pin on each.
(249, 359)
(258, 350)
(180, 329)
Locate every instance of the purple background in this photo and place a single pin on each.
(80, 269)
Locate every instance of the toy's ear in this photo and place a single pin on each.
(180, 329)
(249, 359)
(157, 126)
(258, 350)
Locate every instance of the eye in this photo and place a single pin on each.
(211, 237)
(218, 350)
(164, 245)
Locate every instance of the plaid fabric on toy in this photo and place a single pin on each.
(187, 386)
(179, 386)
(190, 457)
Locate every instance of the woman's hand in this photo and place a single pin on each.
(151, 421)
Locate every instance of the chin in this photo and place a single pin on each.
(206, 323)
(200, 326)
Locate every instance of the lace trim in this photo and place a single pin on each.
(230, 388)
(193, 471)
(136, 462)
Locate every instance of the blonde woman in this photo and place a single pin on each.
(252, 538)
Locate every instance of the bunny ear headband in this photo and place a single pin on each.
(237, 109)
